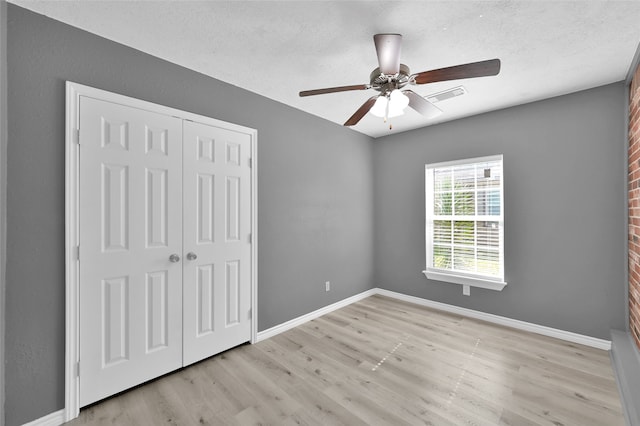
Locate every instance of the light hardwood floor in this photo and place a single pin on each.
(382, 362)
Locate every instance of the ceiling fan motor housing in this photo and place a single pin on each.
(385, 84)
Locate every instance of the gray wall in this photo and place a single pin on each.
(315, 193)
(564, 209)
(3, 175)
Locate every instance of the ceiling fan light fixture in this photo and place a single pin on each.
(378, 109)
(397, 102)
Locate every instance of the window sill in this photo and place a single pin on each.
(465, 281)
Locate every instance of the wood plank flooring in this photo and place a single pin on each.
(382, 362)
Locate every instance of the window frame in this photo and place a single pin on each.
(465, 279)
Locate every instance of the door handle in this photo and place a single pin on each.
(192, 256)
(174, 258)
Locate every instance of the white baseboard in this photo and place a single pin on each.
(270, 332)
(496, 319)
(470, 313)
(53, 419)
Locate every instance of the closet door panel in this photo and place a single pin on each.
(130, 223)
(217, 228)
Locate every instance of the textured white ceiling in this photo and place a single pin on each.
(278, 48)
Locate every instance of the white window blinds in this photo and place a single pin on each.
(465, 218)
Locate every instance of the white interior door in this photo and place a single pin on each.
(130, 223)
(217, 245)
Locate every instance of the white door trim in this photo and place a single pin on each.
(72, 345)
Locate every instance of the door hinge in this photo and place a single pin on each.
(250, 162)
(78, 369)
(250, 238)
(77, 252)
(76, 135)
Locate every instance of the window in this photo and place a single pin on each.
(465, 222)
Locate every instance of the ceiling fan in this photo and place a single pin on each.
(391, 76)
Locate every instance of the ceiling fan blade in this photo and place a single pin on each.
(474, 69)
(361, 112)
(333, 90)
(422, 105)
(388, 47)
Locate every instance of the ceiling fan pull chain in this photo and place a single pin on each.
(386, 110)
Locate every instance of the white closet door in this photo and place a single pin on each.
(130, 225)
(217, 228)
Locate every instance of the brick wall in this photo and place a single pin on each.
(634, 207)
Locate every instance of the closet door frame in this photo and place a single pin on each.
(74, 92)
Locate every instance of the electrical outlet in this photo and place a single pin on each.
(327, 286)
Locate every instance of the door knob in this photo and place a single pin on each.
(192, 256)
(174, 258)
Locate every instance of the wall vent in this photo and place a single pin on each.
(446, 94)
